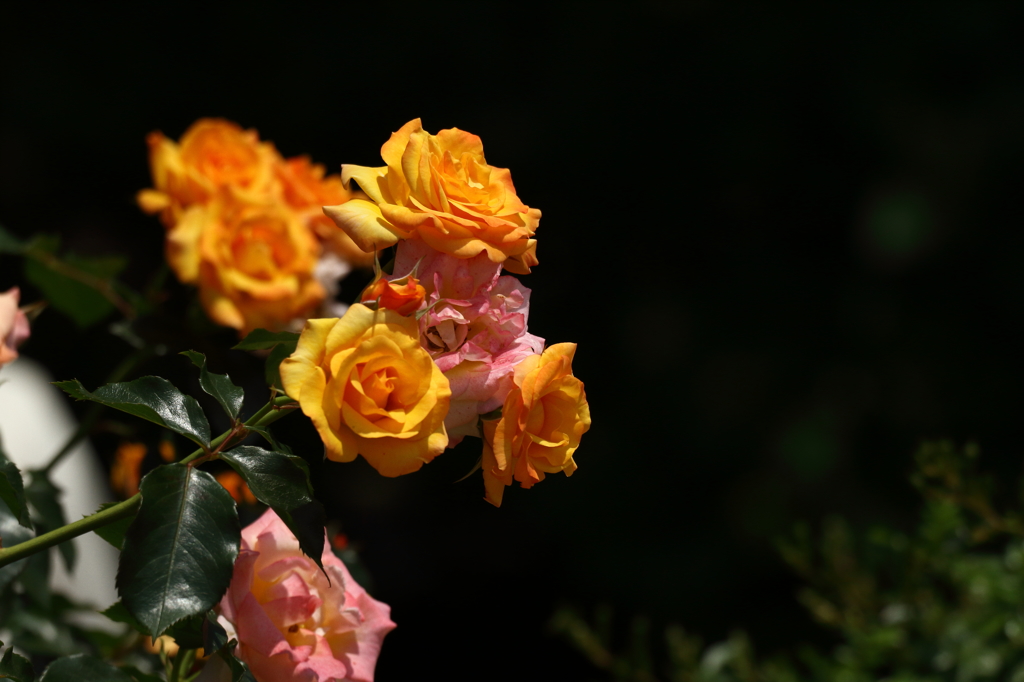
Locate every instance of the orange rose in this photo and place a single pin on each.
(253, 263)
(543, 418)
(306, 189)
(439, 188)
(370, 389)
(213, 154)
(234, 484)
(126, 470)
(404, 295)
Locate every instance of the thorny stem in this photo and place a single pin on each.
(266, 415)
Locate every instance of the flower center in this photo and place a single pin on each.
(445, 336)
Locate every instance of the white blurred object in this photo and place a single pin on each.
(35, 422)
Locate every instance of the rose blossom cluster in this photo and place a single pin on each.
(439, 350)
(14, 326)
(245, 225)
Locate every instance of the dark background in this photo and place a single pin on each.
(786, 237)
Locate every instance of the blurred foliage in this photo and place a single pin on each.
(945, 602)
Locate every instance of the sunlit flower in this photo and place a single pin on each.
(292, 622)
(370, 389)
(542, 420)
(439, 188)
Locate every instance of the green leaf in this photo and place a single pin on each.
(282, 482)
(119, 613)
(277, 445)
(239, 670)
(12, 532)
(114, 532)
(282, 344)
(83, 668)
(152, 398)
(219, 386)
(16, 668)
(179, 552)
(261, 339)
(44, 497)
(83, 304)
(215, 637)
(188, 632)
(12, 490)
(139, 676)
(35, 579)
(272, 373)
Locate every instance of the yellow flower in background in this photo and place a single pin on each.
(212, 188)
(254, 263)
(213, 155)
(542, 420)
(370, 389)
(439, 188)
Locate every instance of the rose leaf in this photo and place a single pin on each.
(282, 482)
(151, 398)
(180, 550)
(219, 386)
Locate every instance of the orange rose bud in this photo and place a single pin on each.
(404, 295)
(234, 484)
(126, 471)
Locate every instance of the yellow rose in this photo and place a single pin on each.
(253, 262)
(439, 188)
(213, 154)
(543, 418)
(370, 389)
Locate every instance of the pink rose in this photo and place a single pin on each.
(474, 328)
(14, 327)
(290, 623)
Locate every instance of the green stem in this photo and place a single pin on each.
(183, 661)
(72, 530)
(96, 409)
(265, 416)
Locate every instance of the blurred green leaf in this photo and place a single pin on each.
(261, 339)
(219, 386)
(119, 613)
(83, 304)
(83, 668)
(16, 668)
(12, 490)
(152, 398)
(139, 676)
(12, 532)
(180, 550)
(44, 497)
